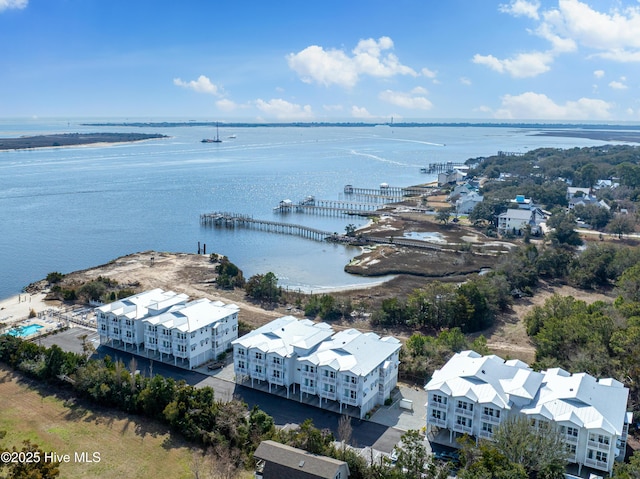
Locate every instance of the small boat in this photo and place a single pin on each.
(231, 137)
(217, 138)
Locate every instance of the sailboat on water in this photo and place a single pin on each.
(217, 138)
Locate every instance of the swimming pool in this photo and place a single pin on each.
(24, 331)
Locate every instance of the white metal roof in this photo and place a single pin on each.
(554, 394)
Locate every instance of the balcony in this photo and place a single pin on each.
(437, 422)
(486, 434)
(463, 429)
(602, 465)
(571, 439)
(438, 405)
(464, 412)
(491, 419)
(308, 374)
(598, 445)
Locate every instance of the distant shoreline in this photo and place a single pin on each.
(73, 139)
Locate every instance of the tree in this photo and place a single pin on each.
(345, 431)
(350, 230)
(413, 458)
(444, 215)
(564, 232)
(515, 439)
(621, 225)
(263, 287)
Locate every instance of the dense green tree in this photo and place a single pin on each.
(563, 229)
(263, 287)
(515, 439)
(413, 459)
(621, 225)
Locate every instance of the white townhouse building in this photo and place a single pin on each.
(120, 323)
(348, 367)
(270, 352)
(516, 219)
(473, 394)
(164, 326)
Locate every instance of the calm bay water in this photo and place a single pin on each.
(64, 209)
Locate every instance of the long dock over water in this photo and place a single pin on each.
(326, 207)
(392, 193)
(233, 220)
(440, 167)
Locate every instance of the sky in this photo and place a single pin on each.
(321, 60)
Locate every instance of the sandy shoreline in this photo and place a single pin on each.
(18, 307)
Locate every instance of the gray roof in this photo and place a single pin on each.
(307, 464)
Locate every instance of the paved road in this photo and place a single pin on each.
(380, 437)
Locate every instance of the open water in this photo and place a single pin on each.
(64, 209)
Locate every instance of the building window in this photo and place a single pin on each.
(276, 374)
(597, 455)
(487, 427)
(599, 438)
(277, 360)
(241, 365)
(240, 352)
(103, 327)
(463, 421)
(571, 449)
(572, 431)
(353, 394)
(309, 382)
(465, 405)
(258, 369)
(129, 335)
(438, 414)
(259, 356)
(439, 399)
(329, 388)
(329, 374)
(489, 411)
(193, 347)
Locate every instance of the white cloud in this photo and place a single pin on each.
(360, 112)
(618, 85)
(328, 67)
(532, 106)
(284, 110)
(201, 85)
(428, 73)
(9, 4)
(333, 107)
(612, 34)
(226, 105)
(522, 65)
(465, 81)
(521, 8)
(412, 100)
(598, 73)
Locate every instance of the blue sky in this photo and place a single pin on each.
(310, 60)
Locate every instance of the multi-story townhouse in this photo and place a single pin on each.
(349, 367)
(119, 322)
(193, 333)
(165, 326)
(473, 394)
(270, 352)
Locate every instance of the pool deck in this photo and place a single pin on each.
(14, 312)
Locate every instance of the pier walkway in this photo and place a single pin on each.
(326, 207)
(233, 220)
(391, 193)
(440, 167)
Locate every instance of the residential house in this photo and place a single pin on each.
(573, 191)
(450, 176)
(466, 203)
(279, 461)
(349, 368)
(516, 220)
(165, 326)
(473, 394)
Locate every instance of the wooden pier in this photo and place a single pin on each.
(326, 207)
(235, 220)
(392, 193)
(433, 168)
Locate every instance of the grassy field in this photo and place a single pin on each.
(129, 447)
